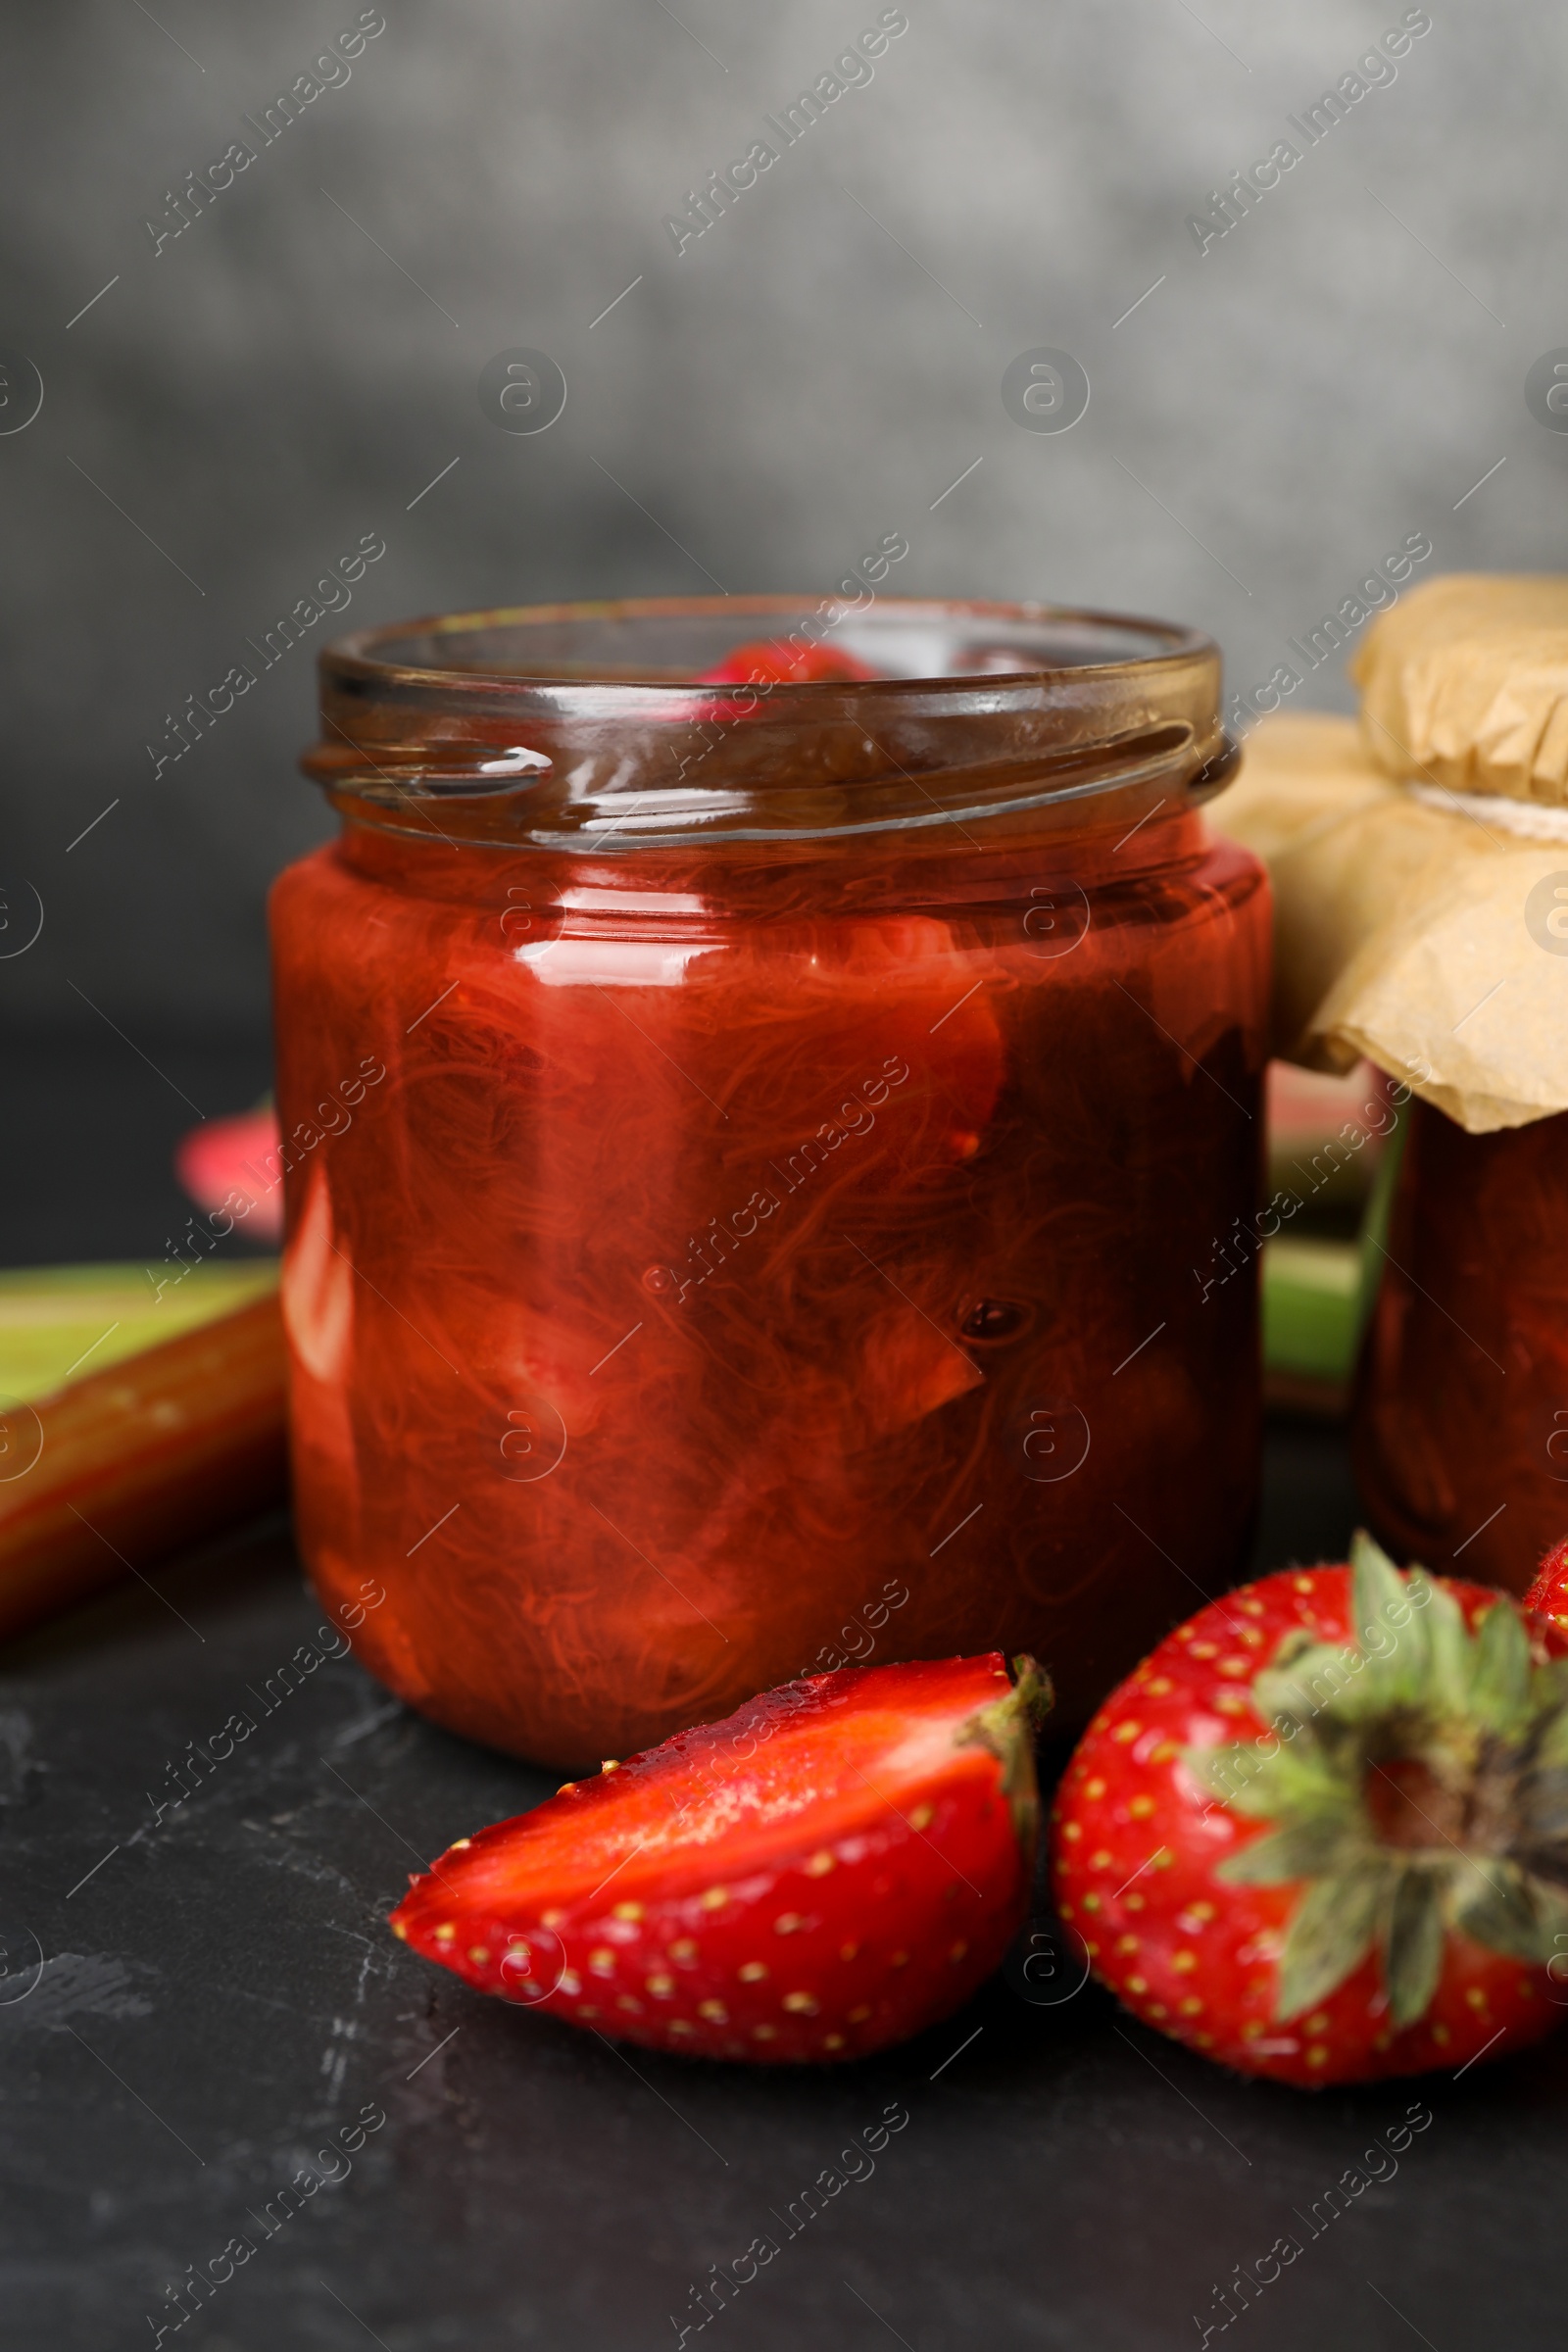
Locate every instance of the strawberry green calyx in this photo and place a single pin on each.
(1007, 1728)
(1415, 1778)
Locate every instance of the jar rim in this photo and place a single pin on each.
(368, 655)
(618, 730)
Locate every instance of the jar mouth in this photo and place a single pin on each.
(667, 642)
(555, 724)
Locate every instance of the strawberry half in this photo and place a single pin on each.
(832, 1868)
(774, 662)
(1329, 1854)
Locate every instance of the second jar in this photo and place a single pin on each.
(1461, 1428)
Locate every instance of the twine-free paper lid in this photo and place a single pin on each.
(1464, 683)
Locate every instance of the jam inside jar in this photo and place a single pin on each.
(1460, 1433)
(769, 1168)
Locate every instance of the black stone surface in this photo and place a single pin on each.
(198, 2005)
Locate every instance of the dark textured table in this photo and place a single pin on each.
(201, 2006)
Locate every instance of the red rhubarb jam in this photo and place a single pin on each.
(769, 1163)
(1462, 1419)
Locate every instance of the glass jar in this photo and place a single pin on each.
(1462, 1425)
(772, 1165)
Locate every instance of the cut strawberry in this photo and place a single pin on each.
(775, 661)
(832, 1868)
(223, 1167)
(1370, 1883)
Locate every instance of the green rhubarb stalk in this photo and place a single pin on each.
(59, 1324)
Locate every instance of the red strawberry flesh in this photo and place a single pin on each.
(832, 1868)
(1548, 1597)
(774, 662)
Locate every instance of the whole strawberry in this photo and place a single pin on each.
(832, 1868)
(1547, 1596)
(1322, 1831)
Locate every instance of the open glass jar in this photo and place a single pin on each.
(1462, 1422)
(767, 1161)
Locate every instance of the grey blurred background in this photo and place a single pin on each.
(231, 411)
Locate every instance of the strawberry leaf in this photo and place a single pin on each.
(1413, 1961)
(1378, 1600)
(1497, 1905)
(1299, 1783)
(1233, 1775)
(1304, 1849)
(1447, 1689)
(1551, 1746)
(1329, 1936)
(1499, 1671)
(1544, 1815)
(1278, 1695)
(1374, 1579)
(1329, 1679)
